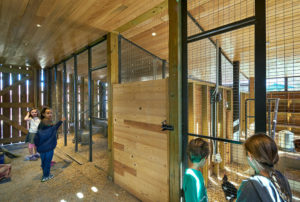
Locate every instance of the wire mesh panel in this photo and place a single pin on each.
(283, 81)
(137, 64)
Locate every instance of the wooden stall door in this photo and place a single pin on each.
(140, 147)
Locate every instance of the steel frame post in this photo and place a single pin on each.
(90, 100)
(75, 103)
(65, 102)
(260, 66)
(183, 48)
(236, 100)
(56, 96)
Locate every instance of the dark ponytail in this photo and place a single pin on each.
(264, 150)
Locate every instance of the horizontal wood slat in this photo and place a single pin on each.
(15, 70)
(16, 105)
(12, 140)
(14, 86)
(14, 124)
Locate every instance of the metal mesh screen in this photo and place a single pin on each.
(283, 82)
(137, 64)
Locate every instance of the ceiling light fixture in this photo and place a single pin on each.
(153, 34)
(38, 25)
(94, 189)
(79, 195)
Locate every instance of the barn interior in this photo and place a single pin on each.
(137, 80)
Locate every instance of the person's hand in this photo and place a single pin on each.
(63, 119)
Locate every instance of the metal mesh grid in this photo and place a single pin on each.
(283, 82)
(137, 64)
(216, 13)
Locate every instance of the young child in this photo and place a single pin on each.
(193, 182)
(34, 121)
(45, 141)
(267, 184)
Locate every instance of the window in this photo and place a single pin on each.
(275, 84)
(293, 84)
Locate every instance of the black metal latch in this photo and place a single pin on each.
(165, 126)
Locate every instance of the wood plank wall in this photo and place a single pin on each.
(15, 103)
(140, 148)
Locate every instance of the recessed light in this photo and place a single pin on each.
(38, 25)
(153, 34)
(94, 189)
(79, 195)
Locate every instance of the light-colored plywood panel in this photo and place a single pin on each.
(140, 147)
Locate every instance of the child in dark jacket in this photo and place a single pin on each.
(46, 140)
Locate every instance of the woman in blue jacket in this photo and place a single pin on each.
(46, 140)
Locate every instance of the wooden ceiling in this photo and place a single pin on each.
(68, 25)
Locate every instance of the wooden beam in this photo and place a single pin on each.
(14, 86)
(205, 126)
(15, 105)
(13, 140)
(175, 102)
(15, 70)
(112, 78)
(145, 16)
(13, 124)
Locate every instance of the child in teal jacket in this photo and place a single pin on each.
(193, 182)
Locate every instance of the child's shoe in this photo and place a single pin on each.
(50, 176)
(33, 158)
(27, 158)
(4, 180)
(37, 155)
(44, 179)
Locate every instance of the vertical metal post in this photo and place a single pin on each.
(103, 101)
(49, 87)
(220, 65)
(163, 71)
(90, 104)
(75, 103)
(236, 100)
(56, 94)
(65, 102)
(269, 117)
(246, 118)
(260, 66)
(184, 81)
(286, 84)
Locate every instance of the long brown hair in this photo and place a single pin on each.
(264, 150)
(43, 112)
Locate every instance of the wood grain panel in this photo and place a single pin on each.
(140, 147)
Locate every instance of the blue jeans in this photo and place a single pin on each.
(46, 158)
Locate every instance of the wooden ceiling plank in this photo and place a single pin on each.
(148, 14)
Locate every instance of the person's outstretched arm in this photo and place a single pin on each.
(27, 118)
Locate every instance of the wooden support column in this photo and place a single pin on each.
(205, 125)
(15, 109)
(229, 123)
(24, 98)
(6, 111)
(112, 78)
(178, 95)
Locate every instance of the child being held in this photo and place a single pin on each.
(46, 140)
(193, 182)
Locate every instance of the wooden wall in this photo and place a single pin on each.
(140, 147)
(14, 102)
